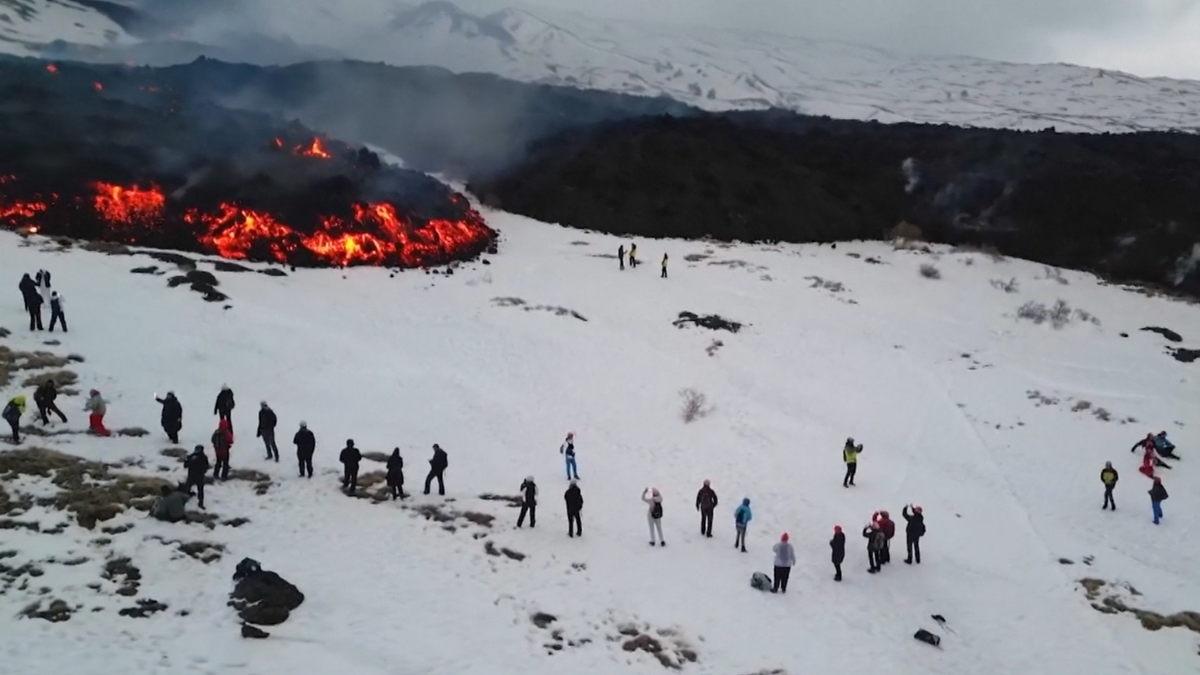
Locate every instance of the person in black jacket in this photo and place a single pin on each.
(706, 503)
(266, 430)
(837, 547)
(574, 500)
(35, 302)
(172, 416)
(350, 458)
(913, 531)
(44, 396)
(876, 540)
(28, 289)
(529, 493)
(395, 474)
(223, 408)
(437, 467)
(306, 445)
(197, 473)
(1158, 494)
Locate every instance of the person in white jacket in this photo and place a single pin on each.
(654, 513)
(785, 560)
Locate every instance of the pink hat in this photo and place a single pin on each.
(837, 528)
(784, 537)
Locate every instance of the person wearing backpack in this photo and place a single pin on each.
(914, 529)
(706, 503)
(654, 514)
(529, 494)
(837, 546)
(850, 453)
(222, 440)
(741, 518)
(12, 414)
(785, 559)
(1158, 494)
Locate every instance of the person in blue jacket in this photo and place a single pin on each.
(1164, 447)
(741, 518)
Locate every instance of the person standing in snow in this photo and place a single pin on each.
(222, 441)
(395, 475)
(172, 416)
(914, 529)
(888, 527)
(350, 459)
(785, 560)
(44, 397)
(56, 311)
(306, 445)
(574, 499)
(654, 510)
(12, 414)
(706, 503)
(741, 519)
(568, 452)
(837, 547)
(1108, 476)
(223, 408)
(266, 430)
(621, 255)
(876, 540)
(1158, 494)
(28, 288)
(97, 408)
(197, 473)
(437, 467)
(633, 255)
(664, 266)
(850, 455)
(529, 493)
(35, 303)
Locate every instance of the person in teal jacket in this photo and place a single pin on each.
(741, 518)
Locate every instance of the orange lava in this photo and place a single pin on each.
(314, 149)
(234, 231)
(97, 86)
(51, 68)
(127, 205)
(15, 211)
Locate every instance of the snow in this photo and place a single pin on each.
(933, 376)
(27, 24)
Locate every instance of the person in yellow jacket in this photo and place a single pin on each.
(850, 455)
(12, 414)
(1108, 476)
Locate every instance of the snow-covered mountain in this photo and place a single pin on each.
(712, 69)
(26, 26)
(997, 426)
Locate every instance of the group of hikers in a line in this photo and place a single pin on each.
(36, 292)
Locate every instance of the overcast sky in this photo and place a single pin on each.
(1146, 37)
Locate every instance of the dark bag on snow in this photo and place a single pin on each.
(760, 581)
(927, 637)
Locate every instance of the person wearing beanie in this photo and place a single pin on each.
(222, 441)
(741, 518)
(223, 408)
(197, 473)
(266, 430)
(785, 559)
(913, 531)
(850, 453)
(1158, 494)
(1108, 476)
(876, 540)
(837, 546)
(889, 530)
(306, 445)
(706, 503)
(574, 499)
(350, 459)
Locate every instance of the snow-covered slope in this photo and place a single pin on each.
(993, 424)
(27, 25)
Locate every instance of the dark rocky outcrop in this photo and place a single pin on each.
(262, 597)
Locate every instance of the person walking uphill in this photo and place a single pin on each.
(529, 493)
(1158, 494)
(1109, 476)
(654, 514)
(197, 473)
(12, 414)
(574, 499)
(223, 408)
(568, 452)
(437, 466)
(741, 518)
(837, 548)
(785, 560)
(306, 445)
(395, 475)
(266, 430)
(706, 503)
(45, 396)
(914, 529)
(97, 408)
(172, 416)
(350, 459)
(876, 540)
(56, 311)
(850, 455)
(222, 441)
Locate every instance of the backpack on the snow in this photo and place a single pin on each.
(760, 582)
(927, 637)
(656, 510)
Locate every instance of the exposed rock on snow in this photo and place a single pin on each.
(709, 321)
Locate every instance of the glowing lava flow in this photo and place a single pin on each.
(127, 205)
(236, 231)
(314, 149)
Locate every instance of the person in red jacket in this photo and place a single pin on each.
(222, 440)
(888, 526)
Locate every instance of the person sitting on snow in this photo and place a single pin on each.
(1163, 447)
(170, 506)
(1149, 454)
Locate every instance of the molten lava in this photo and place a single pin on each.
(17, 212)
(123, 206)
(51, 68)
(314, 149)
